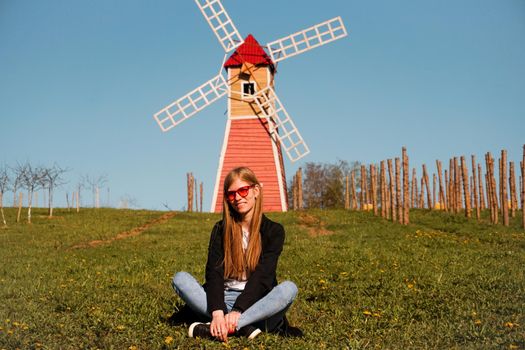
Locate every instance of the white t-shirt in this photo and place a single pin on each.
(233, 284)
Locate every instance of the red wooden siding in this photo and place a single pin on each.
(249, 144)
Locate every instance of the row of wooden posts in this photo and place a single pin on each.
(193, 197)
(392, 193)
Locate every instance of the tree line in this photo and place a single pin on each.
(322, 184)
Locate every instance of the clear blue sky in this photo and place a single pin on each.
(80, 81)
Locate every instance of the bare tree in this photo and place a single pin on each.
(31, 180)
(80, 185)
(4, 185)
(52, 178)
(15, 185)
(127, 201)
(95, 183)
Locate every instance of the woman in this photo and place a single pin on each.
(241, 295)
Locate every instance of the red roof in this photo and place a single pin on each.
(251, 52)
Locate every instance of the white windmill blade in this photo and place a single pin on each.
(221, 23)
(193, 102)
(284, 129)
(307, 39)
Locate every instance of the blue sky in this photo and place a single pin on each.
(80, 81)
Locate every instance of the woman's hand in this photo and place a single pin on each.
(218, 327)
(231, 320)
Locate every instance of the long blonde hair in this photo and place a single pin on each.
(236, 261)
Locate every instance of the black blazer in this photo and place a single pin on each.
(260, 282)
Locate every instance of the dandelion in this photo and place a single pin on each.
(367, 313)
(133, 347)
(376, 314)
(477, 322)
(410, 285)
(121, 327)
(168, 340)
(511, 325)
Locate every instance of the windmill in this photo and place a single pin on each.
(258, 126)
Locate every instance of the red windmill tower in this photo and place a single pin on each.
(258, 127)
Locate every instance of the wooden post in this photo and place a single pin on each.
(406, 199)
(399, 204)
(300, 203)
(434, 180)
(447, 195)
(373, 187)
(441, 192)
(201, 190)
(20, 199)
(196, 189)
(427, 187)
(451, 195)
(493, 194)
(366, 188)
(354, 191)
(488, 183)
(466, 190)
(363, 185)
(504, 195)
(512, 188)
(422, 193)
(294, 192)
(475, 187)
(189, 184)
(522, 182)
(500, 186)
(457, 186)
(392, 191)
(382, 181)
(482, 204)
(413, 196)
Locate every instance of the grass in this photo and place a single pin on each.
(442, 282)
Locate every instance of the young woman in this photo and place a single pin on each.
(241, 295)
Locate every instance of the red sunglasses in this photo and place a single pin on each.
(242, 191)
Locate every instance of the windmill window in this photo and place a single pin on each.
(248, 89)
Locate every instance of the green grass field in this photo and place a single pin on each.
(441, 282)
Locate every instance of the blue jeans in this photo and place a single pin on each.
(272, 306)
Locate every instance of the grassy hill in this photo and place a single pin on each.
(101, 279)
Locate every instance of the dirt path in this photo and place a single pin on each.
(313, 225)
(126, 234)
